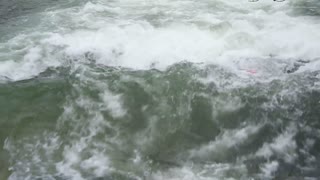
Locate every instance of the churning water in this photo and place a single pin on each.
(159, 89)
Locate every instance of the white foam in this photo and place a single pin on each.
(140, 45)
(25, 57)
(26, 155)
(184, 173)
(214, 171)
(18, 70)
(113, 104)
(224, 142)
(254, 31)
(86, 152)
(269, 169)
(99, 163)
(283, 146)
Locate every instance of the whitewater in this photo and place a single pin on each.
(159, 90)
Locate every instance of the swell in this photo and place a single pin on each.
(153, 124)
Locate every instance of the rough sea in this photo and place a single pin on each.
(159, 90)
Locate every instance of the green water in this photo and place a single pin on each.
(143, 90)
(168, 115)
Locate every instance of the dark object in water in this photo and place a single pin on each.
(295, 66)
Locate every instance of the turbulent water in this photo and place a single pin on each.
(159, 90)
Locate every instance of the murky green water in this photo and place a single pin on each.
(159, 90)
